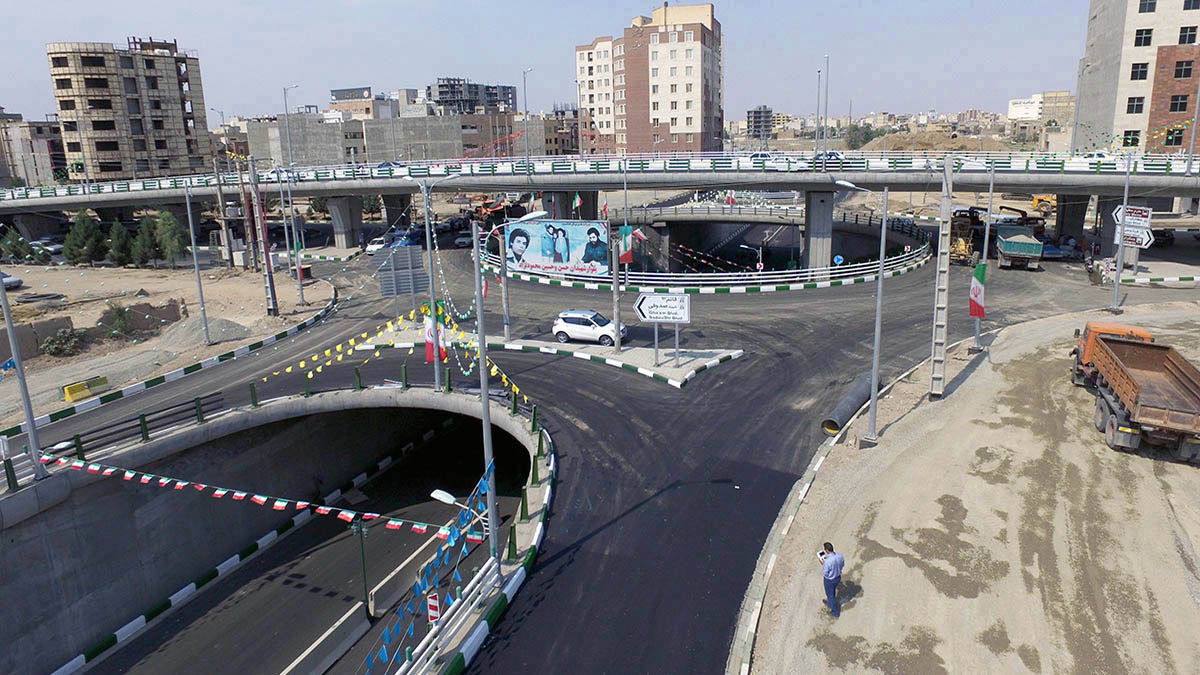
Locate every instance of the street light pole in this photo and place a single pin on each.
(287, 125)
(825, 134)
(817, 129)
(1195, 119)
(485, 414)
(427, 197)
(525, 88)
(297, 236)
(359, 528)
(1075, 122)
(187, 196)
(1115, 308)
(35, 448)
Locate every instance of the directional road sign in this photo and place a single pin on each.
(1137, 237)
(401, 272)
(1133, 216)
(664, 308)
(838, 260)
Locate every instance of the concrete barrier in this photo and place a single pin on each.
(27, 342)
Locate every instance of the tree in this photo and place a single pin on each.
(120, 245)
(85, 240)
(172, 238)
(145, 246)
(858, 135)
(318, 204)
(372, 204)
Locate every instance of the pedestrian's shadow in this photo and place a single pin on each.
(848, 593)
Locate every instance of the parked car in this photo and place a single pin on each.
(463, 240)
(377, 244)
(1164, 237)
(11, 282)
(587, 325)
(48, 245)
(390, 165)
(442, 227)
(901, 222)
(831, 157)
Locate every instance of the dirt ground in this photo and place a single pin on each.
(234, 300)
(994, 531)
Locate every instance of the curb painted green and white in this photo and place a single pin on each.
(180, 597)
(716, 290)
(138, 387)
(312, 256)
(474, 640)
(596, 358)
(1158, 280)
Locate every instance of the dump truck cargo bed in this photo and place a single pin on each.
(1156, 384)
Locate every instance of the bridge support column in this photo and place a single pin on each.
(395, 210)
(660, 238)
(818, 229)
(31, 226)
(561, 205)
(346, 214)
(1072, 213)
(121, 213)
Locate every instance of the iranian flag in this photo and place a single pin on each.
(578, 203)
(977, 291)
(430, 339)
(345, 515)
(625, 249)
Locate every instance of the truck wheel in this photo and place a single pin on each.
(1110, 434)
(1101, 416)
(1045, 209)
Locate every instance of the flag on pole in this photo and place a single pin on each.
(977, 287)
(606, 206)
(625, 248)
(430, 340)
(639, 235)
(578, 203)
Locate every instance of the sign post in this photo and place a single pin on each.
(656, 308)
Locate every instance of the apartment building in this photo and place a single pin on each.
(657, 88)
(460, 96)
(31, 152)
(129, 113)
(361, 104)
(1138, 75)
(760, 122)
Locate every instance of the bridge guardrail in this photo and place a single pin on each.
(682, 163)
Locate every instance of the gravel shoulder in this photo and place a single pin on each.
(993, 530)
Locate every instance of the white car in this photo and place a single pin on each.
(10, 282)
(586, 325)
(377, 244)
(48, 245)
(463, 241)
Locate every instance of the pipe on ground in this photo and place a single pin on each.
(858, 395)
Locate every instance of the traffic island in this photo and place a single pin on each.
(638, 360)
(993, 529)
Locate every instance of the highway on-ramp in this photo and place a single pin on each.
(665, 496)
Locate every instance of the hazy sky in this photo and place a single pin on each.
(884, 54)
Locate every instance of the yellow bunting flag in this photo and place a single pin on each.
(339, 358)
(328, 352)
(310, 374)
(376, 352)
(364, 335)
(494, 371)
(504, 379)
(264, 379)
(302, 364)
(524, 398)
(389, 325)
(329, 362)
(338, 348)
(351, 342)
(410, 350)
(318, 370)
(288, 369)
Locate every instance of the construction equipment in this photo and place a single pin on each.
(1045, 204)
(1015, 244)
(1144, 391)
(963, 223)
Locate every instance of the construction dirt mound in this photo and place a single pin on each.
(190, 332)
(933, 140)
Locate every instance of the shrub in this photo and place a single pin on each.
(65, 342)
(120, 245)
(145, 246)
(85, 241)
(172, 238)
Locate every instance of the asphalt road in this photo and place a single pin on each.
(665, 496)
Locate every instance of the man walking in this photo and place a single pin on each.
(831, 570)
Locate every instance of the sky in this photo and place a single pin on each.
(885, 55)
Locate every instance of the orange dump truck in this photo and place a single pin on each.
(1144, 391)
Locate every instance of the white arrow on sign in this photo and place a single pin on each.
(1133, 216)
(1137, 237)
(664, 308)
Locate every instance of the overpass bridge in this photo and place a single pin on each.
(1073, 178)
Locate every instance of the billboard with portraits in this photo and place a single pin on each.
(559, 247)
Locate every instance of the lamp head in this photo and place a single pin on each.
(443, 496)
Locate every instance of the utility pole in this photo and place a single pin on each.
(268, 272)
(287, 240)
(826, 129)
(35, 447)
(297, 235)
(485, 414)
(1115, 308)
(249, 248)
(616, 290)
(871, 435)
(817, 129)
(525, 88)
(503, 227)
(187, 196)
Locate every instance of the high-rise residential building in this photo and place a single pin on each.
(1137, 78)
(760, 122)
(656, 88)
(460, 96)
(129, 113)
(780, 120)
(31, 152)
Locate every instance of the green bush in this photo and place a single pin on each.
(145, 245)
(65, 342)
(85, 241)
(120, 245)
(118, 323)
(14, 246)
(171, 236)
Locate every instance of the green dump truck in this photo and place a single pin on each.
(1016, 245)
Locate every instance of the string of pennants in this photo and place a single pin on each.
(714, 261)
(452, 535)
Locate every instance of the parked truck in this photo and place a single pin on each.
(1016, 245)
(1144, 391)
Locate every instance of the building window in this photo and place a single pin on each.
(66, 104)
(688, 122)
(1191, 4)
(72, 146)
(127, 62)
(687, 53)
(1179, 103)
(155, 104)
(687, 71)
(673, 88)
(672, 37)
(620, 65)
(688, 104)
(1174, 136)
(674, 138)
(1142, 37)
(654, 123)
(1138, 71)
(674, 121)
(657, 138)
(58, 62)
(654, 89)
(99, 104)
(156, 124)
(149, 64)
(654, 38)
(62, 83)
(1146, 6)
(91, 61)
(674, 71)
(687, 87)
(674, 53)
(674, 105)
(1187, 35)
(689, 138)
(107, 146)
(654, 72)
(581, 56)
(1183, 69)
(139, 144)
(654, 55)
(1135, 104)
(160, 145)
(688, 36)
(95, 83)
(104, 125)
(654, 105)
(582, 70)
(133, 106)
(71, 125)
(164, 163)
(136, 127)
(151, 82)
(108, 167)
(1131, 138)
